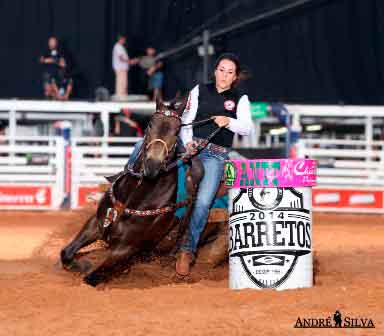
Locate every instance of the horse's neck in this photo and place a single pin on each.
(162, 190)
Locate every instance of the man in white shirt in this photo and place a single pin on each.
(120, 64)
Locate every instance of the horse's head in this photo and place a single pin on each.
(161, 136)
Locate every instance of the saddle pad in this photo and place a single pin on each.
(220, 202)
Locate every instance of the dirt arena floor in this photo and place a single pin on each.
(38, 298)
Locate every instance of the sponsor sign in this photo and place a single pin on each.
(87, 195)
(25, 196)
(271, 173)
(347, 198)
(259, 110)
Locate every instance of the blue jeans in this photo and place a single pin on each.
(213, 163)
(156, 80)
(135, 152)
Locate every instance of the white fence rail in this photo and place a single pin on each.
(31, 172)
(93, 159)
(350, 171)
(14, 110)
(346, 162)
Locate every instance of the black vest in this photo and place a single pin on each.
(211, 103)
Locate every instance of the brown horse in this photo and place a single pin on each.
(137, 213)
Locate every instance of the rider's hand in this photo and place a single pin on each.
(151, 71)
(191, 147)
(221, 121)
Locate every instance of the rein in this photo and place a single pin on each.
(186, 156)
(193, 123)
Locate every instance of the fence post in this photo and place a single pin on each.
(12, 130)
(105, 120)
(74, 184)
(300, 149)
(60, 171)
(369, 137)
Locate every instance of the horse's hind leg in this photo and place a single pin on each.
(88, 234)
(115, 263)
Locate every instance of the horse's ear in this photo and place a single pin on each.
(179, 103)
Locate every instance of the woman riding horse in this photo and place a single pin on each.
(137, 213)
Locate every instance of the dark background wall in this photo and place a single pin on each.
(328, 52)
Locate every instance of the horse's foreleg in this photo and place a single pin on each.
(115, 263)
(88, 234)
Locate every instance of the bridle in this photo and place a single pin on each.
(165, 146)
(168, 151)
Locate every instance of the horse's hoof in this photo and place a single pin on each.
(92, 280)
(65, 260)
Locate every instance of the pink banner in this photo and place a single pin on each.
(270, 173)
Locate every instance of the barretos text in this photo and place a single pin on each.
(276, 233)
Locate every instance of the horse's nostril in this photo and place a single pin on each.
(151, 168)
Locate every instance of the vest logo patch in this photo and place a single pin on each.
(229, 105)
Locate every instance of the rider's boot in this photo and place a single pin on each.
(183, 263)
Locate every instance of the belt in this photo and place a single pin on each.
(212, 147)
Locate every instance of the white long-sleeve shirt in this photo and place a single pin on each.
(242, 125)
(120, 58)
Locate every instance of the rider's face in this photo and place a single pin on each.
(225, 75)
(52, 43)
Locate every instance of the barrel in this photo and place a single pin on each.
(270, 223)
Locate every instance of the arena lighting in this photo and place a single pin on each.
(313, 128)
(278, 131)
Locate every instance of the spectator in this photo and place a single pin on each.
(153, 69)
(3, 126)
(156, 76)
(50, 61)
(120, 64)
(97, 125)
(125, 126)
(62, 84)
